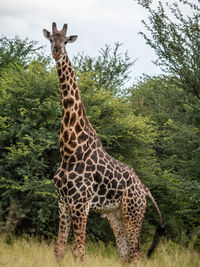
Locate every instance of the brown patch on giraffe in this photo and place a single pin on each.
(73, 136)
(101, 168)
(72, 191)
(98, 177)
(74, 85)
(67, 150)
(64, 68)
(94, 156)
(71, 163)
(61, 128)
(72, 144)
(86, 155)
(62, 79)
(82, 137)
(67, 60)
(78, 128)
(66, 135)
(93, 146)
(65, 93)
(68, 102)
(61, 143)
(77, 95)
(80, 168)
(81, 122)
(59, 184)
(72, 92)
(66, 118)
(59, 72)
(72, 119)
(79, 153)
(72, 141)
(80, 109)
(64, 86)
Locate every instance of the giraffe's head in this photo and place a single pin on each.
(58, 40)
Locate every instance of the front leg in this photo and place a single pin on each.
(79, 219)
(64, 227)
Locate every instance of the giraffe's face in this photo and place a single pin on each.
(58, 40)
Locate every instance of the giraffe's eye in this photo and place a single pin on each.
(65, 41)
(51, 41)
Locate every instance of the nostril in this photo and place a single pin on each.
(57, 49)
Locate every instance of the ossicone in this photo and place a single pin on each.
(64, 29)
(54, 28)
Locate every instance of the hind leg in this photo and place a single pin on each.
(133, 210)
(64, 227)
(115, 220)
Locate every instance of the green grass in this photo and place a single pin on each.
(31, 253)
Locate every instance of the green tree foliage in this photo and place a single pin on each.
(175, 37)
(29, 121)
(18, 52)
(109, 70)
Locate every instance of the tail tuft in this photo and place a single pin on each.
(156, 239)
(161, 229)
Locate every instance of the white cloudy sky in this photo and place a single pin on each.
(96, 22)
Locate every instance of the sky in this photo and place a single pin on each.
(96, 22)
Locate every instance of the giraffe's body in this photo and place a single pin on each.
(88, 178)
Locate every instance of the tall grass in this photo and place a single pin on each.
(31, 253)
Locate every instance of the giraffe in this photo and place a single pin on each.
(88, 177)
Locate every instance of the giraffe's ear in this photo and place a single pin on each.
(47, 34)
(72, 38)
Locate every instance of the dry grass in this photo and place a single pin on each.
(31, 253)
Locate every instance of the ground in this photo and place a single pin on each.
(32, 253)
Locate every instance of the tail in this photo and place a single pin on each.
(161, 228)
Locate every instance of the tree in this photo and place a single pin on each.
(175, 38)
(174, 34)
(18, 52)
(109, 70)
(29, 121)
(177, 152)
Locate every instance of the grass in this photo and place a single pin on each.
(31, 253)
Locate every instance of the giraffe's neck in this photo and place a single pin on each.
(75, 126)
